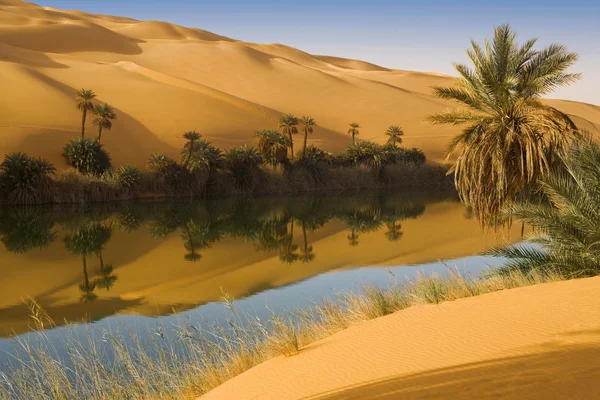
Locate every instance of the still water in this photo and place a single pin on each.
(148, 264)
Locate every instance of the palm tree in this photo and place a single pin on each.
(511, 138)
(395, 134)
(288, 126)
(354, 131)
(567, 226)
(308, 125)
(192, 138)
(287, 253)
(103, 117)
(86, 286)
(394, 232)
(107, 279)
(84, 104)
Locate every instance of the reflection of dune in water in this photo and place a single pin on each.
(154, 278)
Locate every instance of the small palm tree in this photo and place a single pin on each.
(395, 134)
(308, 124)
(354, 131)
(84, 104)
(567, 227)
(394, 232)
(288, 124)
(511, 138)
(103, 117)
(273, 146)
(353, 238)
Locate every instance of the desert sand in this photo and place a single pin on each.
(164, 79)
(539, 342)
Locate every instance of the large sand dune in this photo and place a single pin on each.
(164, 79)
(540, 342)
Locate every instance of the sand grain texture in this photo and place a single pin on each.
(539, 342)
(165, 79)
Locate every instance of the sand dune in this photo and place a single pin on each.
(503, 345)
(165, 79)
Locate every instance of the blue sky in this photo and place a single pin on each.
(426, 35)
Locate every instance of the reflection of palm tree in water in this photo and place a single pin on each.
(88, 240)
(195, 239)
(106, 279)
(307, 254)
(287, 252)
(394, 232)
(353, 238)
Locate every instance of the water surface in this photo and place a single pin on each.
(126, 262)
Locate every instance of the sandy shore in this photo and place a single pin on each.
(539, 342)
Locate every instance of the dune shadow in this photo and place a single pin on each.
(560, 372)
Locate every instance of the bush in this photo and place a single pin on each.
(365, 154)
(87, 156)
(243, 162)
(161, 163)
(129, 177)
(317, 155)
(25, 180)
(399, 155)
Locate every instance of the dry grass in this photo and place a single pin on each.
(189, 360)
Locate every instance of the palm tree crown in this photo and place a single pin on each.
(354, 131)
(288, 124)
(395, 134)
(308, 124)
(103, 117)
(511, 138)
(84, 104)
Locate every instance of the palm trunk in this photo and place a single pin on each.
(86, 278)
(83, 116)
(291, 145)
(99, 133)
(353, 139)
(304, 149)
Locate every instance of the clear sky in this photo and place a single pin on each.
(421, 35)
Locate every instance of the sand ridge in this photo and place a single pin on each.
(165, 79)
(503, 345)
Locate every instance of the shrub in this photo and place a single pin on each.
(25, 180)
(161, 163)
(398, 155)
(365, 154)
(87, 156)
(243, 162)
(318, 155)
(273, 146)
(129, 177)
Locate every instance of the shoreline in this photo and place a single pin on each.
(455, 349)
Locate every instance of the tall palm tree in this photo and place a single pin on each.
(86, 286)
(288, 124)
(84, 104)
(353, 238)
(192, 138)
(308, 124)
(354, 131)
(511, 138)
(395, 134)
(103, 117)
(287, 253)
(273, 146)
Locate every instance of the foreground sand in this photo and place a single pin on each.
(164, 79)
(540, 342)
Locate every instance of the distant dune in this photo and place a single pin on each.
(164, 79)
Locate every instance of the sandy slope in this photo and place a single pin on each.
(504, 345)
(165, 79)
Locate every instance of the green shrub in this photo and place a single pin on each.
(318, 155)
(161, 163)
(365, 154)
(87, 156)
(273, 146)
(129, 177)
(244, 164)
(25, 180)
(399, 155)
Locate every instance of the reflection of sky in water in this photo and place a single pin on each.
(298, 295)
